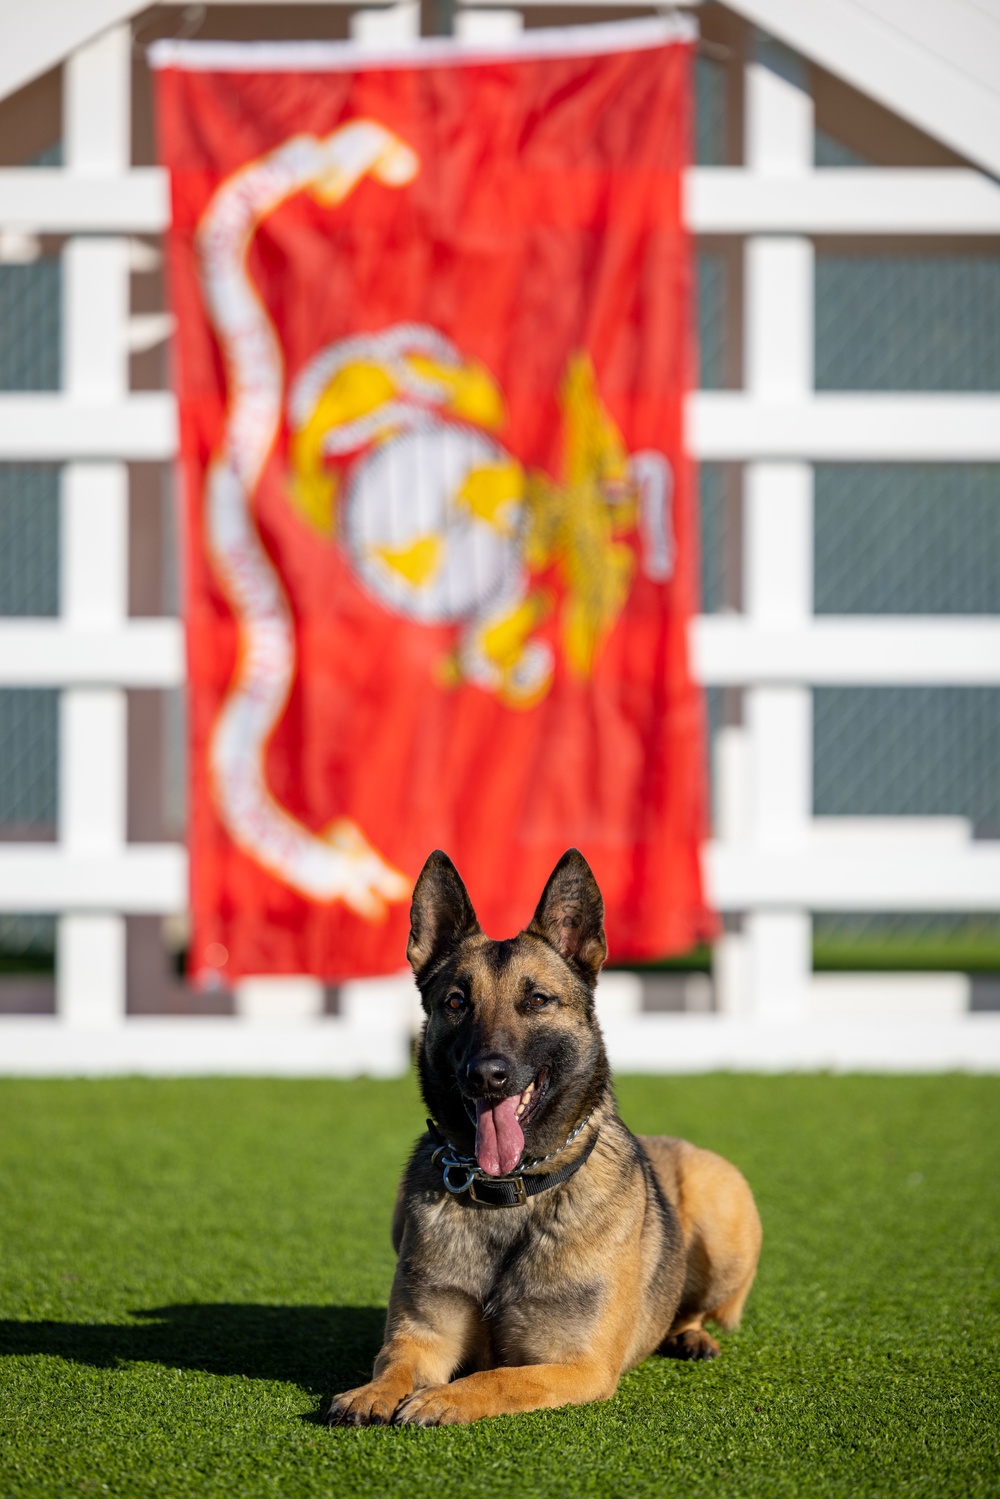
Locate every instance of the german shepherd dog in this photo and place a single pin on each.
(542, 1249)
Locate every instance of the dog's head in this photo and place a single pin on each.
(511, 1058)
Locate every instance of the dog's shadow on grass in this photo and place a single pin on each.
(321, 1348)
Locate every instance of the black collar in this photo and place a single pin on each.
(461, 1174)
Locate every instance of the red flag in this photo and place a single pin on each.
(433, 346)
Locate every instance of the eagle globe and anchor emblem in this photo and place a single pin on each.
(396, 456)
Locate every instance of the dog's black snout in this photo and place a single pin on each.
(489, 1073)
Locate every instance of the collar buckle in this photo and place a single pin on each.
(517, 1182)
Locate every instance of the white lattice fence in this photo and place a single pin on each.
(772, 859)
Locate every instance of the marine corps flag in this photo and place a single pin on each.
(433, 345)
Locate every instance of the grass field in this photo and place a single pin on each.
(188, 1270)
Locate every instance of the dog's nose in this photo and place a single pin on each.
(489, 1073)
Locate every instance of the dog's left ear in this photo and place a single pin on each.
(441, 913)
(570, 915)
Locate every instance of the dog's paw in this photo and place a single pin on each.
(369, 1405)
(435, 1406)
(694, 1342)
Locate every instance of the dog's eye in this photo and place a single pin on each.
(538, 1001)
(455, 1001)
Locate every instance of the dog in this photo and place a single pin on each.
(543, 1249)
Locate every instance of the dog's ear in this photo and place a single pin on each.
(441, 914)
(570, 915)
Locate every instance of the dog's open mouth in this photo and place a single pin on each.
(500, 1125)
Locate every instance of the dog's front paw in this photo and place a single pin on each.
(693, 1343)
(435, 1406)
(369, 1405)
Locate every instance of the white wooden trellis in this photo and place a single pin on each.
(90, 945)
(774, 861)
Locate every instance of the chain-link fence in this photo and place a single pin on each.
(30, 303)
(907, 538)
(714, 293)
(29, 751)
(711, 113)
(908, 751)
(30, 338)
(29, 555)
(907, 322)
(29, 539)
(715, 552)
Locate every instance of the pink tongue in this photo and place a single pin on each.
(499, 1137)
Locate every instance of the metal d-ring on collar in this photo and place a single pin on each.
(461, 1173)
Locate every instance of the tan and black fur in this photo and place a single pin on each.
(549, 1302)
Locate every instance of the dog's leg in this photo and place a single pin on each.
(688, 1338)
(500, 1392)
(722, 1237)
(729, 1311)
(418, 1351)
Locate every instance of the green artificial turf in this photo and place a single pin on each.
(188, 1270)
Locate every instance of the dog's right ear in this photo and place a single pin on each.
(441, 914)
